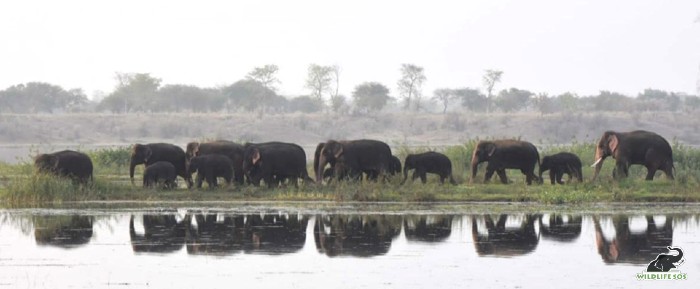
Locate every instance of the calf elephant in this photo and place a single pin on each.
(161, 174)
(71, 164)
(357, 157)
(210, 167)
(149, 154)
(506, 154)
(634, 148)
(560, 164)
(230, 149)
(428, 162)
(275, 162)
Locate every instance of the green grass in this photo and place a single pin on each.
(21, 187)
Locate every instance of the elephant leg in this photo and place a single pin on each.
(415, 175)
(423, 177)
(552, 176)
(200, 179)
(651, 171)
(270, 181)
(211, 180)
(560, 175)
(488, 175)
(502, 175)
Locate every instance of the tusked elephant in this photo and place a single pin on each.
(275, 162)
(506, 154)
(357, 156)
(634, 148)
(428, 162)
(632, 246)
(230, 149)
(71, 164)
(209, 168)
(560, 164)
(160, 174)
(151, 153)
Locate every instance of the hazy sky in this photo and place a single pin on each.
(541, 45)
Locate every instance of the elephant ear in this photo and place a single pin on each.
(491, 149)
(53, 160)
(612, 143)
(256, 156)
(339, 153)
(195, 149)
(147, 154)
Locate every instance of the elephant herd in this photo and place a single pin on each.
(277, 163)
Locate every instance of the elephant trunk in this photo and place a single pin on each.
(322, 161)
(475, 163)
(599, 157)
(132, 165)
(406, 167)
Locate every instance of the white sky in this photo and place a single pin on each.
(549, 46)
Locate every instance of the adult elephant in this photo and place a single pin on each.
(230, 149)
(506, 154)
(633, 246)
(274, 162)
(560, 229)
(357, 156)
(71, 164)
(151, 153)
(634, 148)
(506, 241)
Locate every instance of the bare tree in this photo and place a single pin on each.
(410, 84)
(490, 79)
(337, 100)
(319, 80)
(443, 95)
(266, 75)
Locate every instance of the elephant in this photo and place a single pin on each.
(395, 166)
(665, 262)
(560, 164)
(501, 241)
(63, 231)
(70, 164)
(210, 167)
(275, 162)
(230, 149)
(162, 233)
(355, 235)
(151, 153)
(634, 148)
(628, 246)
(160, 174)
(506, 154)
(561, 230)
(428, 162)
(357, 156)
(428, 228)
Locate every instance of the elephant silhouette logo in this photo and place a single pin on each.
(666, 261)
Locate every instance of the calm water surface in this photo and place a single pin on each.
(227, 248)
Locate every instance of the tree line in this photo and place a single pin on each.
(257, 92)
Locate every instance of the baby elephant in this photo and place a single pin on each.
(560, 164)
(428, 162)
(210, 167)
(161, 174)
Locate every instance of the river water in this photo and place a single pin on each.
(288, 247)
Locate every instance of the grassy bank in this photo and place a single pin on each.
(21, 187)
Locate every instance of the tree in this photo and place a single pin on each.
(34, 97)
(306, 104)
(443, 95)
(266, 76)
(249, 95)
(545, 104)
(513, 99)
(178, 97)
(319, 80)
(611, 101)
(410, 84)
(134, 92)
(654, 99)
(370, 96)
(472, 99)
(490, 78)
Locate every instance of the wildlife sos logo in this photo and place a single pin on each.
(664, 267)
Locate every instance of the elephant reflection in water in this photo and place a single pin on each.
(502, 241)
(228, 234)
(428, 228)
(630, 247)
(560, 230)
(162, 233)
(62, 231)
(352, 235)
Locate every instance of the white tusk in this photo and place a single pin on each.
(596, 162)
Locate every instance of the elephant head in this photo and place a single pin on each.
(139, 155)
(193, 165)
(545, 165)
(607, 145)
(482, 153)
(45, 163)
(252, 159)
(330, 153)
(192, 150)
